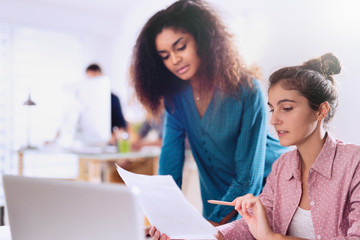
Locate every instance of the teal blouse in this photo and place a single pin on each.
(229, 143)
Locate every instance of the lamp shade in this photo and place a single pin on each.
(29, 102)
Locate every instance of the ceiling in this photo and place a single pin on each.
(93, 16)
(107, 8)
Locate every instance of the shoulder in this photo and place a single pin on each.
(115, 101)
(252, 90)
(176, 101)
(243, 90)
(351, 147)
(251, 95)
(285, 160)
(181, 91)
(348, 151)
(252, 86)
(114, 97)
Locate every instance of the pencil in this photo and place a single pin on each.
(221, 202)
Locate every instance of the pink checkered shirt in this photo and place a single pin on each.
(334, 193)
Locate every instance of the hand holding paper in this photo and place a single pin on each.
(166, 207)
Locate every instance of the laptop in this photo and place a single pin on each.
(43, 209)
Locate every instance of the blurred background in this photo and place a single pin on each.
(46, 45)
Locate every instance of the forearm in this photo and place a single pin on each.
(219, 236)
(171, 160)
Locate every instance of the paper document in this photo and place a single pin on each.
(166, 207)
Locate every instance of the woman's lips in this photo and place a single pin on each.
(281, 132)
(183, 69)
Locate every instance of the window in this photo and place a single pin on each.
(37, 62)
(43, 63)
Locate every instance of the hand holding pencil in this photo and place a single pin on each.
(254, 213)
(221, 203)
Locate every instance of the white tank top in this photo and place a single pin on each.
(301, 225)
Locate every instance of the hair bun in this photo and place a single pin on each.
(328, 65)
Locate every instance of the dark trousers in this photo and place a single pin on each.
(2, 213)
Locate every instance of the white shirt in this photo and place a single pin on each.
(301, 225)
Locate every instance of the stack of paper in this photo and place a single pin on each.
(166, 207)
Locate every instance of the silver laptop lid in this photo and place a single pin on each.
(43, 209)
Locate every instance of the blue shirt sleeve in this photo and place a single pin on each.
(117, 117)
(249, 153)
(172, 155)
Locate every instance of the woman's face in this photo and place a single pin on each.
(178, 52)
(293, 119)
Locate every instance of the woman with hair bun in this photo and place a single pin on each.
(312, 192)
(185, 56)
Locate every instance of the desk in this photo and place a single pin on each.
(5, 233)
(99, 166)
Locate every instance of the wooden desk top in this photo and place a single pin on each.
(114, 156)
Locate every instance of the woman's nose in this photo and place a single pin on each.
(274, 119)
(175, 58)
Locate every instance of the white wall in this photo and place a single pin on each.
(272, 34)
(294, 31)
(278, 33)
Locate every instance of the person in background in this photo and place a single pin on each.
(185, 58)
(118, 122)
(148, 126)
(312, 192)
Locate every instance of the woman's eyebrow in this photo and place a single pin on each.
(173, 45)
(285, 100)
(282, 101)
(177, 41)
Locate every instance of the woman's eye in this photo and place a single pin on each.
(287, 109)
(182, 48)
(164, 57)
(271, 110)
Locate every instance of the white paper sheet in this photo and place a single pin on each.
(166, 207)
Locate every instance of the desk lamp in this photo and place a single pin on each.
(29, 103)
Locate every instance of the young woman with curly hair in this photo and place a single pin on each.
(185, 56)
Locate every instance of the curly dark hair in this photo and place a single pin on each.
(313, 79)
(220, 66)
